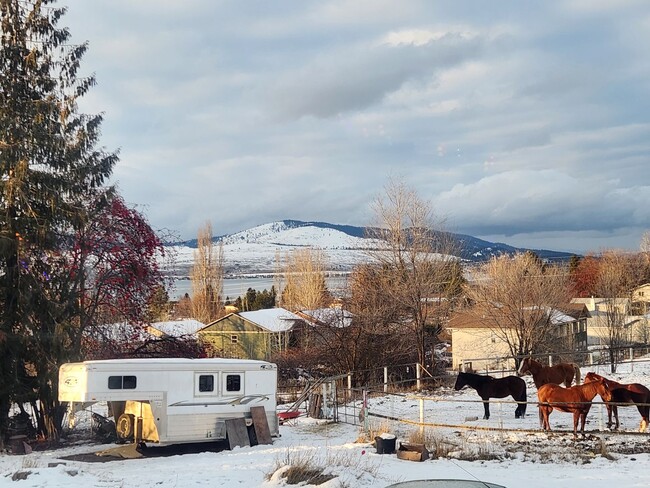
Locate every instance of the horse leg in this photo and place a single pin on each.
(486, 405)
(644, 411)
(544, 413)
(520, 412)
(615, 411)
(609, 408)
(577, 417)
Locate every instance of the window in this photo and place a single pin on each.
(206, 382)
(122, 382)
(233, 382)
(233, 339)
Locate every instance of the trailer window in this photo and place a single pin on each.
(206, 382)
(233, 382)
(122, 382)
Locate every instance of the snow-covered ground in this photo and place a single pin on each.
(525, 456)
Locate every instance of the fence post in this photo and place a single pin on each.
(422, 416)
(365, 412)
(550, 360)
(418, 375)
(631, 359)
(600, 416)
(323, 389)
(350, 385)
(385, 379)
(591, 359)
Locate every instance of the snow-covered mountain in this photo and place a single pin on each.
(256, 250)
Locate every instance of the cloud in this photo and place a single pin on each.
(355, 78)
(517, 202)
(527, 119)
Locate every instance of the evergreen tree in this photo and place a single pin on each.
(49, 165)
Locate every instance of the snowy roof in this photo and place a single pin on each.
(334, 317)
(178, 328)
(559, 317)
(272, 319)
(118, 331)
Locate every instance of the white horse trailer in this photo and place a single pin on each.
(168, 401)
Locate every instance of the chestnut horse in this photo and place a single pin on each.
(625, 395)
(489, 387)
(558, 374)
(575, 399)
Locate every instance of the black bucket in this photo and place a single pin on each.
(385, 444)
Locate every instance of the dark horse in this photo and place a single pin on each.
(575, 399)
(558, 374)
(624, 395)
(489, 387)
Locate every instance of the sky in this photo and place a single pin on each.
(522, 456)
(521, 122)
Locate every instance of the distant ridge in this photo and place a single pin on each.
(277, 234)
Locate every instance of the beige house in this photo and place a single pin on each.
(475, 345)
(641, 299)
(636, 328)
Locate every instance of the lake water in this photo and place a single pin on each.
(236, 287)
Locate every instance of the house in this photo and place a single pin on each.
(635, 328)
(476, 344)
(250, 335)
(641, 299)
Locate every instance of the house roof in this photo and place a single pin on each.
(272, 319)
(118, 331)
(334, 317)
(467, 320)
(178, 328)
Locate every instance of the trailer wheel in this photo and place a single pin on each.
(124, 426)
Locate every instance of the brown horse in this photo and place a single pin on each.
(625, 395)
(575, 399)
(558, 374)
(489, 387)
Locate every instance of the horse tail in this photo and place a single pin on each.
(576, 368)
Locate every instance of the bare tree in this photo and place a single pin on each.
(645, 254)
(645, 243)
(413, 262)
(303, 276)
(207, 277)
(616, 279)
(516, 297)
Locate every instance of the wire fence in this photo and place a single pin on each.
(410, 395)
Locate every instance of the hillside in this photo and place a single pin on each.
(255, 250)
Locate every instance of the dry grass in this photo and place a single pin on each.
(375, 429)
(300, 467)
(308, 467)
(438, 446)
(29, 463)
